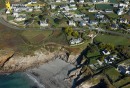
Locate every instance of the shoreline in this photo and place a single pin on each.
(51, 74)
(35, 80)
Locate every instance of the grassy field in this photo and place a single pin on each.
(36, 36)
(122, 82)
(96, 80)
(57, 37)
(112, 73)
(113, 15)
(113, 1)
(2, 4)
(103, 6)
(116, 40)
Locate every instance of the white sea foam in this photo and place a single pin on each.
(36, 81)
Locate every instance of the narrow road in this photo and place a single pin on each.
(2, 21)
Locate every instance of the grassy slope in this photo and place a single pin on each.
(2, 4)
(122, 82)
(116, 40)
(112, 73)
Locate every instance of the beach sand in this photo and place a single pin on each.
(51, 74)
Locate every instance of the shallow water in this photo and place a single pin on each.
(16, 80)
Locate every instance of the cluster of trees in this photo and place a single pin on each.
(107, 46)
(70, 32)
(124, 49)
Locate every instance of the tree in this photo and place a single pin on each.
(57, 20)
(68, 31)
(75, 34)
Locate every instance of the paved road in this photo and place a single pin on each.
(2, 21)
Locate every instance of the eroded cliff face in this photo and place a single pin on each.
(5, 55)
(11, 62)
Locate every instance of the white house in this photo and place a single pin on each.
(93, 22)
(123, 5)
(7, 12)
(123, 69)
(53, 6)
(92, 10)
(58, 0)
(71, 23)
(29, 9)
(32, 2)
(16, 14)
(74, 8)
(20, 18)
(79, 15)
(76, 41)
(109, 60)
(82, 23)
(108, 11)
(99, 15)
(105, 52)
(123, 20)
(71, 1)
(99, 1)
(81, 1)
(64, 7)
(120, 11)
(44, 23)
(72, 5)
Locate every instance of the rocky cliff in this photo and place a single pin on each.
(5, 55)
(11, 62)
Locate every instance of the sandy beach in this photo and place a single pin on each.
(51, 74)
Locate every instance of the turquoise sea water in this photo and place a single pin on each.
(16, 80)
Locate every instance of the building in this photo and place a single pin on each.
(120, 11)
(64, 7)
(99, 15)
(76, 41)
(44, 23)
(109, 59)
(82, 23)
(99, 1)
(105, 52)
(93, 22)
(114, 26)
(123, 20)
(108, 11)
(53, 6)
(7, 12)
(71, 23)
(58, 1)
(16, 14)
(92, 10)
(71, 1)
(81, 1)
(20, 18)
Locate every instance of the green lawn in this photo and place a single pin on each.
(103, 6)
(127, 86)
(116, 40)
(112, 73)
(10, 18)
(93, 61)
(57, 37)
(113, 15)
(95, 53)
(36, 36)
(113, 1)
(122, 82)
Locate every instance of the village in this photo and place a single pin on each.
(95, 14)
(101, 24)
